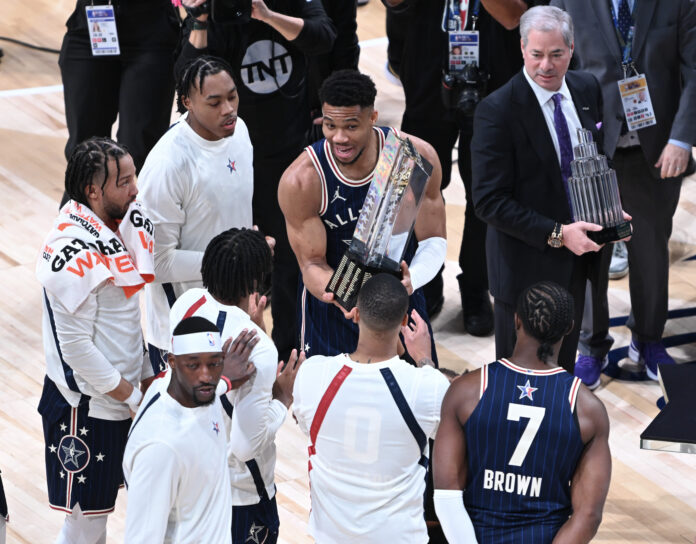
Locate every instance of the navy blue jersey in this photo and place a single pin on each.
(523, 444)
(323, 328)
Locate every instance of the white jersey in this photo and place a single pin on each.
(175, 467)
(365, 478)
(193, 189)
(100, 342)
(256, 416)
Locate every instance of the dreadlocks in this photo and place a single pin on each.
(89, 164)
(546, 311)
(236, 263)
(194, 75)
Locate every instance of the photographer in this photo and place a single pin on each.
(441, 96)
(267, 46)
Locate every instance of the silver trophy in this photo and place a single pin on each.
(386, 219)
(594, 192)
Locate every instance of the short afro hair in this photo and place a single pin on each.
(382, 302)
(347, 88)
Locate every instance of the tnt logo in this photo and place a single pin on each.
(266, 67)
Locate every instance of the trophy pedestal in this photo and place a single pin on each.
(349, 277)
(611, 234)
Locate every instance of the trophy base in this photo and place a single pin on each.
(611, 234)
(348, 278)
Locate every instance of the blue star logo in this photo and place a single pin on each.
(231, 165)
(526, 390)
(72, 454)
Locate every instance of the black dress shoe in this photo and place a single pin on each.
(478, 314)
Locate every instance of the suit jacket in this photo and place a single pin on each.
(664, 49)
(517, 185)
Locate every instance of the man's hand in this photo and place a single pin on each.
(330, 299)
(575, 237)
(237, 367)
(417, 339)
(673, 161)
(406, 278)
(256, 307)
(285, 378)
(194, 4)
(260, 11)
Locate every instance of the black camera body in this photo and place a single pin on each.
(224, 11)
(463, 89)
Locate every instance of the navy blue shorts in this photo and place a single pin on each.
(158, 358)
(83, 454)
(257, 523)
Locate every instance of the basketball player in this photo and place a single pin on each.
(525, 440)
(368, 415)
(321, 195)
(175, 463)
(235, 263)
(196, 182)
(93, 262)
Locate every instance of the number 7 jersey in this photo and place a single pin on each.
(523, 445)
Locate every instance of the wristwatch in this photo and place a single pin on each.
(556, 237)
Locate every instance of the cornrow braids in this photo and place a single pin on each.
(89, 164)
(236, 263)
(194, 75)
(546, 310)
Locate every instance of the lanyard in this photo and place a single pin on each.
(454, 16)
(626, 46)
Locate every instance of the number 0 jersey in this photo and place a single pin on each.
(523, 445)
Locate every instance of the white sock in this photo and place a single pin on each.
(81, 529)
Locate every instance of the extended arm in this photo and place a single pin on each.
(590, 483)
(299, 195)
(152, 485)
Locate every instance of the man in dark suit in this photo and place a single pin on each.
(659, 37)
(521, 152)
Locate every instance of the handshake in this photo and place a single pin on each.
(220, 11)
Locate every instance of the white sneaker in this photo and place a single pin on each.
(619, 261)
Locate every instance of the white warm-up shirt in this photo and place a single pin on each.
(366, 483)
(256, 416)
(101, 342)
(193, 189)
(175, 466)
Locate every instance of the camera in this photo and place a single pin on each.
(224, 11)
(463, 89)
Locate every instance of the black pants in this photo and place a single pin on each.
(269, 218)
(137, 85)
(652, 203)
(591, 267)
(442, 135)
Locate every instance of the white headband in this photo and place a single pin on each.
(197, 342)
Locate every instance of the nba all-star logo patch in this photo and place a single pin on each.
(73, 453)
(231, 165)
(526, 390)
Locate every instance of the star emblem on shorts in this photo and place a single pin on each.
(84, 431)
(254, 531)
(81, 479)
(62, 474)
(63, 427)
(231, 165)
(72, 454)
(100, 456)
(526, 390)
(306, 348)
(52, 448)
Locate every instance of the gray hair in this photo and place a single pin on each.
(546, 19)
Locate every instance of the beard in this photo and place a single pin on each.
(116, 212)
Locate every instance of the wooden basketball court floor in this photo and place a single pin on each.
(652, 496)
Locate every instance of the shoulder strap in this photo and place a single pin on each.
(406, 413)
